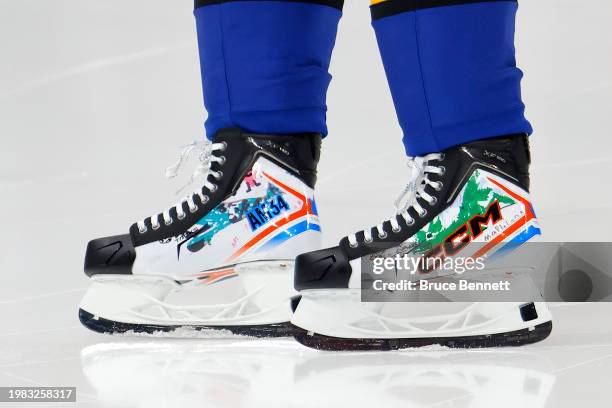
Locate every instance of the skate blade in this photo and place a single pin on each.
(105, 326)
(508, 339)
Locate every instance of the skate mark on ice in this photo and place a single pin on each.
(42, 296)
(94, 66)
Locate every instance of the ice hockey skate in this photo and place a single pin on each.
(477, 192)
(219, 262)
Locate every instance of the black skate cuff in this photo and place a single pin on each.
(388, 8)
(337, 4)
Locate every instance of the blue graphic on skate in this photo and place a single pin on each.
(261, 214)
(226, 214)
(291, 232)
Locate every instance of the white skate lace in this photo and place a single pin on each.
(203, 170)
(419, 169)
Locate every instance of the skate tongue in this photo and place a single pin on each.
(172, 171)
(409, 194)
(204, 148)
(204, 169)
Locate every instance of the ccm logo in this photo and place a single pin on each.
(465, 234)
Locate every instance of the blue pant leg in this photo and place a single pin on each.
(265, 64)
(451, 69)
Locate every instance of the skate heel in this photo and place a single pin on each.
(247, 299)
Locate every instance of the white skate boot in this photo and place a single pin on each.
(475, 193)
(221, 260)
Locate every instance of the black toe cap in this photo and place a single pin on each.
(110, 255)
(324, 269)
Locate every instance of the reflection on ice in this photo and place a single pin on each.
(280, 373)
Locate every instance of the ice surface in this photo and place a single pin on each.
(184, 333)
(95, 99)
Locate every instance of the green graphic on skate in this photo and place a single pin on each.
(476, 196)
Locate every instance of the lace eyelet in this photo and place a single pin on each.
(205, 200)
(155, 227)
(224, 146)
(442, 170)
(219, 175)
(442, 156)
(397, 230)
(194, 209)
(181, 216)
(434, 201)
(355, 245)
(439, 186)
(383, 236)
(142, 231)
(411, 222)
(423, 214)
(222, 162)
(214, 188)
(169, 222)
